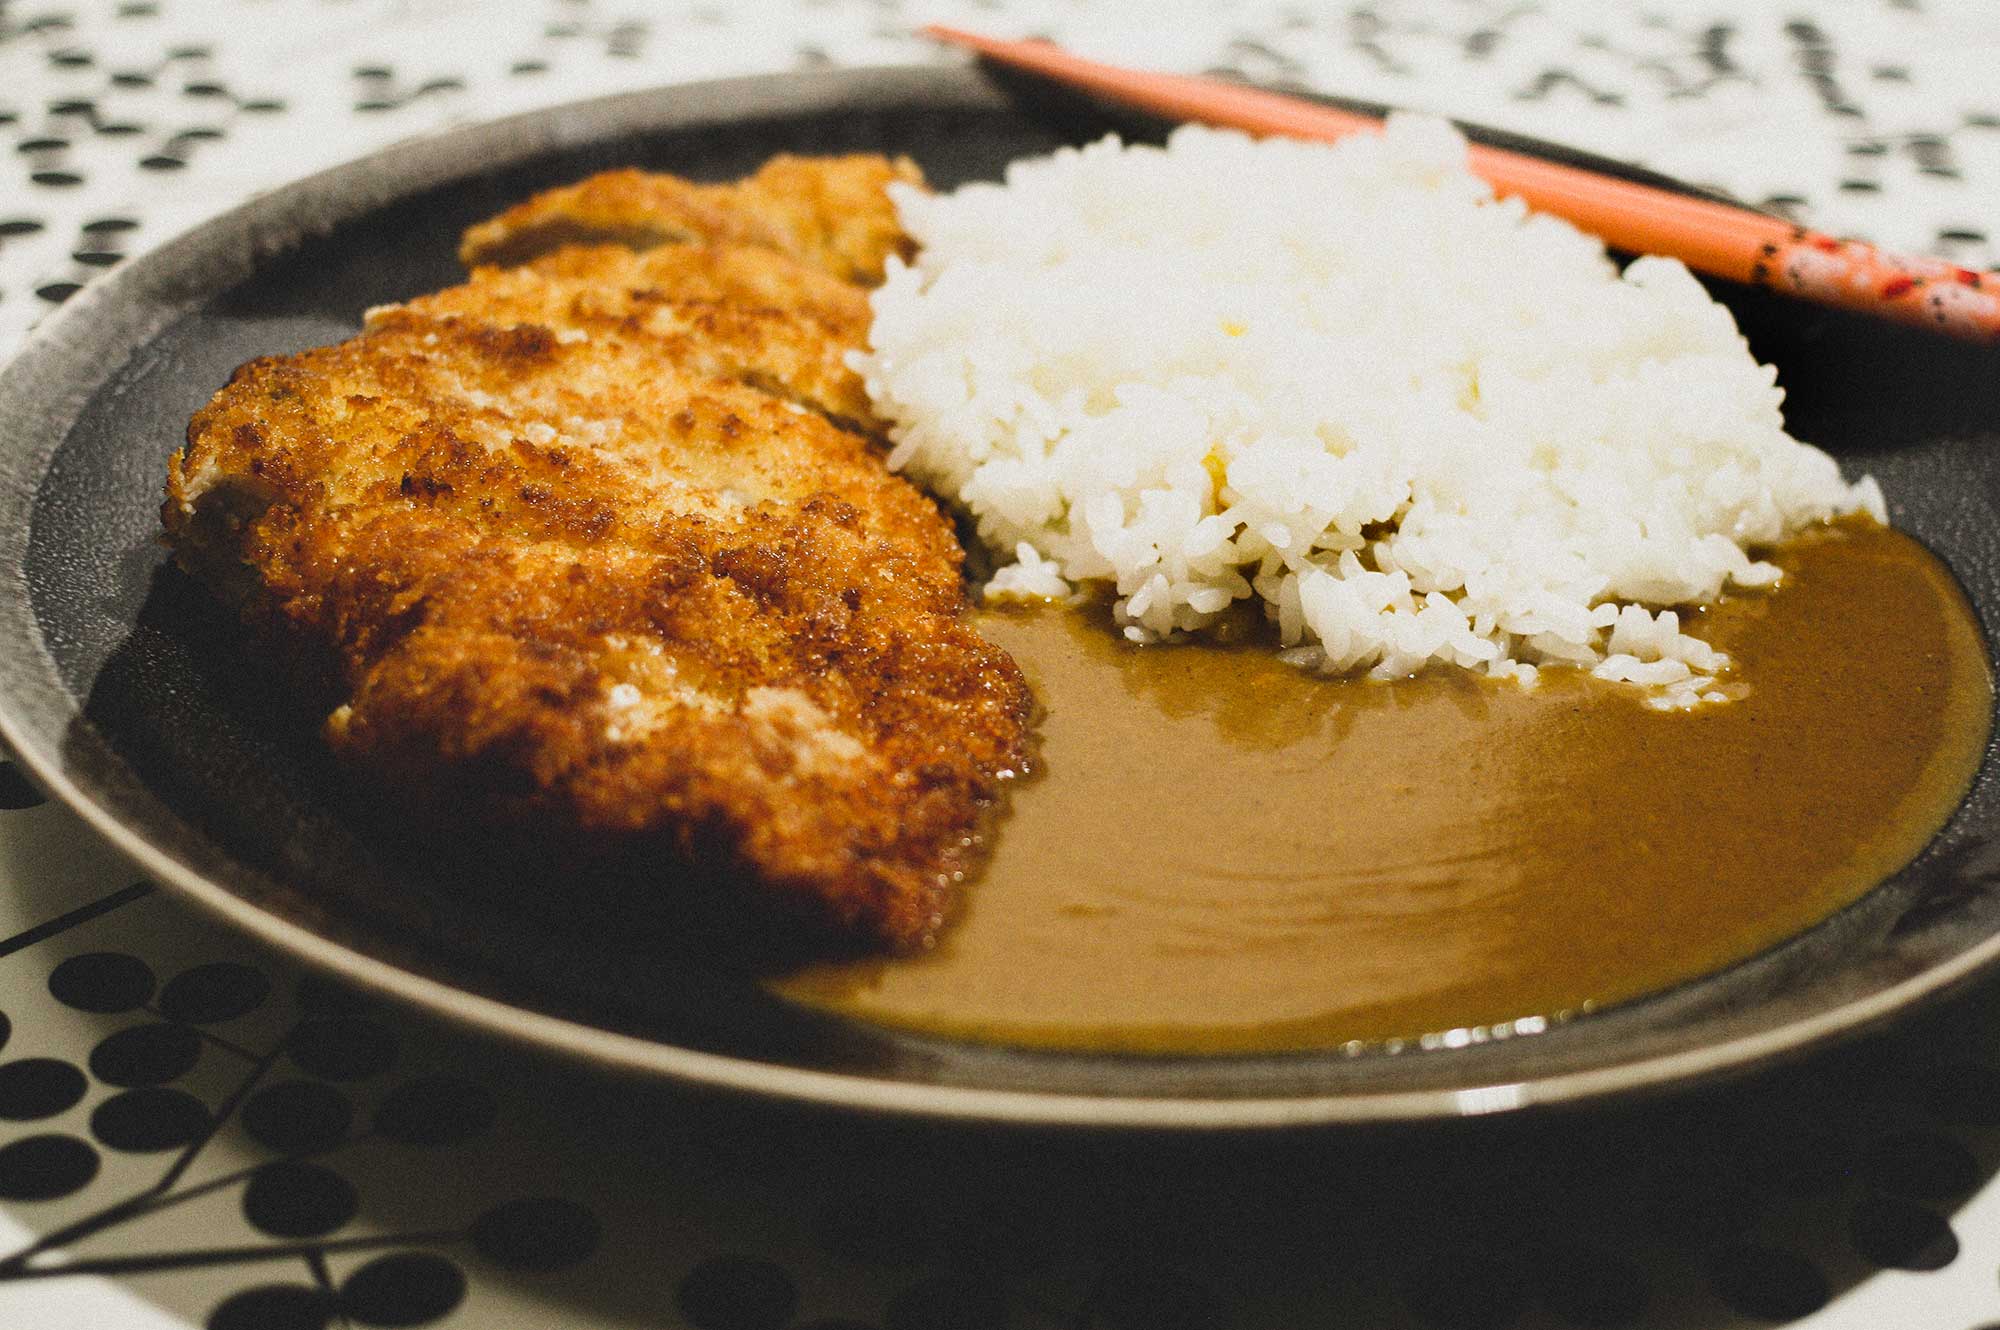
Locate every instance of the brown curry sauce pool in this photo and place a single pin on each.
(1224, 853)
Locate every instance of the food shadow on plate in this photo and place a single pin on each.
(1769, 1198)
(183, 725)
(180, 716)
(230, 744)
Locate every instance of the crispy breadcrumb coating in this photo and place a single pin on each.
(831, 212)
(602, 545)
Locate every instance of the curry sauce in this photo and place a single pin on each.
(1223, 853)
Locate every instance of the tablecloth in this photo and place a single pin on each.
(196, 1132)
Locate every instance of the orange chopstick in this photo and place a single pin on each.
(1714, 238)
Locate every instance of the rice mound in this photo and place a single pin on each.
(1417, 423)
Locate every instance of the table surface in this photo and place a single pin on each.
(194, 1132)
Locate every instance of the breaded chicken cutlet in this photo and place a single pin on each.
(604, 546)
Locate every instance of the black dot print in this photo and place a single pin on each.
(537, 1233)
(297, 1117)
(1592, 1289)
(436, 1111)
(145, 1055)
(737, 1293)
(15, 791)
(404, 1288)
(1901, 1235)
(291, 1199)
(42, 1168)
(342, 1048)
(151, 1118)
(1768, 1284)
(6, 1029)
(219, 991)
(274, 1307)
(1466, 1291)
(18, 226)
(960, 1302)
(33, 1088)
(102, 981)
(57, 292)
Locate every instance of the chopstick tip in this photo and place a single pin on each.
(996, 47)
(944, 32)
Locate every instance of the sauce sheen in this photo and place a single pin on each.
(1223, 854)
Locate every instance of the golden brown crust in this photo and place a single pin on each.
(588, 554)
(833, 213)
(726, 310)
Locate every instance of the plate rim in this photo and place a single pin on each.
(139, 297)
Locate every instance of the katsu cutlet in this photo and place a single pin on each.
(603, 547)
(830, 212)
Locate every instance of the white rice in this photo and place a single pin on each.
(1417, 424)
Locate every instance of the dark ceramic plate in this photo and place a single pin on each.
(126, 694)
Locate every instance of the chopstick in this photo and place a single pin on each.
(1719, 239)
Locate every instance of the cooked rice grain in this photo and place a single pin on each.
(1416, 423)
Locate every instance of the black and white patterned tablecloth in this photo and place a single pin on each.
(192, 1132)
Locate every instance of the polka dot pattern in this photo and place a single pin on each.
(274, 1307)
(42, 1168)
(1902, 1235)
(298, 1200)
(143, 114)
(403, 1288)
(102, 981)
(149, 1119)
(32, 1088)
(145, 1055)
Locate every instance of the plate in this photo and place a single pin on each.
(126, 693)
